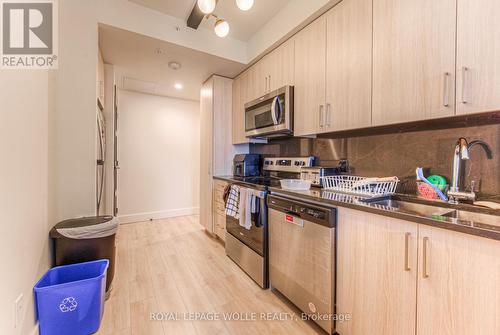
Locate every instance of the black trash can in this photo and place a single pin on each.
(86, 239)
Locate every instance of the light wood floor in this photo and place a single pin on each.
(173, 266)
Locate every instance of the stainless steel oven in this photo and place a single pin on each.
(248, 247)
(270, 115)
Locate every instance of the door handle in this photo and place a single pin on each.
(321, 116)
(407, 251)
(464, 83)
(425, 271)
(446, 102)
(328, 115)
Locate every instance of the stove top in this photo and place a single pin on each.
(261, 181)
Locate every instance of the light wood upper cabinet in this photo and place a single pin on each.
(414, 59)
(310, 78)
(349, 65)
(281, 66)
(376, 274)
(478, 57)
(459, 283)
(239, 97)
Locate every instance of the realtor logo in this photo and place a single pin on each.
(29, 38)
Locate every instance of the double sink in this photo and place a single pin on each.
(458, 216)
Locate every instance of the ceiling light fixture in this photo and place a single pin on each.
(178, 86)
(207, 6)
(244, 5)
(174, 65)
(221, 28)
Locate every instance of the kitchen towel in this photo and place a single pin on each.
(245, 208)
(233, 201)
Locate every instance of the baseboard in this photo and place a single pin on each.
(129, 218)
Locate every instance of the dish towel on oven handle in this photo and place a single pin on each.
(233, 202)
(249, 207)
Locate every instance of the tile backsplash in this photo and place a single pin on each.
(400, 153)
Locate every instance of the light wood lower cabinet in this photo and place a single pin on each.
(454, 288)
(218, 209)
(376, 274)
(458, 285)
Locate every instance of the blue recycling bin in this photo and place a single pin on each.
(70, 298)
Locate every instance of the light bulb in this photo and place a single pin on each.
(206, 6)
(244, 4)
(178, 86)
(221, 28)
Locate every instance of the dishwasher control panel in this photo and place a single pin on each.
(305, 211)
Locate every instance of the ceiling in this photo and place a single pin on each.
(243, 25)
(136, 57)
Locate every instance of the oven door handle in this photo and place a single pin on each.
(276, 110)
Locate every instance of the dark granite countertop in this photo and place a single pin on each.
(430, 213)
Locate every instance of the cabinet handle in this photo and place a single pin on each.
(269, 85)
(407, 251)
(425, 242)
(321, 116)
(328, 115)
(446, 102)
(464, 83)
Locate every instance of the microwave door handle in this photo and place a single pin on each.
(274, 106)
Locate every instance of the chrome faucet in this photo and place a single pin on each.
(461, 154)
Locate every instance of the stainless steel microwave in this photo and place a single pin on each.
(270, 115)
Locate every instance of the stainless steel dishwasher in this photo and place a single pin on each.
(302, 256)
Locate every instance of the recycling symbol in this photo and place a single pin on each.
(68, 304)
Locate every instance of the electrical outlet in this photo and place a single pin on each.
(18, 311)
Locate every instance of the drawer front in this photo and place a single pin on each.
(219, 185)
(219, 196)
(220, 221)
(218, 190)
(220, 226)
(219, 208)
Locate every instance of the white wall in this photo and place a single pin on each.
(24, 186)
(159, 155)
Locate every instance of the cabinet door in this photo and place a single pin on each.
(281, 66)
(349, 65)
(478, 59)
(257, 80)
(459, 283)
(413, 60)
(376, 274)
(310, 78)
(239, 86)
(206, 154)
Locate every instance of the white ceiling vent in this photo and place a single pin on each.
(138, 85)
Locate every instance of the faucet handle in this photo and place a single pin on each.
(472, 185)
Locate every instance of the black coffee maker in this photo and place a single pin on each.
(246, 165)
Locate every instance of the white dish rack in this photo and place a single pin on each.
(363, 186)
